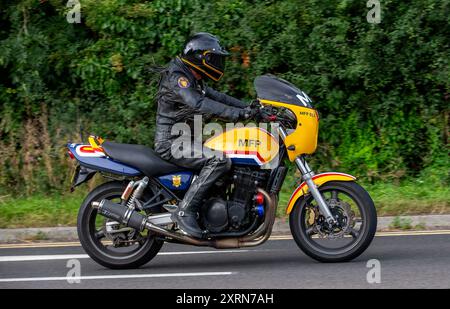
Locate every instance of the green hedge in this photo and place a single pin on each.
(382, 89)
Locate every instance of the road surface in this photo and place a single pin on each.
(409, 260)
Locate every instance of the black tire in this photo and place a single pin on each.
(368, 228)
(91, 245)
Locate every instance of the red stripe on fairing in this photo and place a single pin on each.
(244, 152)
(316, 177)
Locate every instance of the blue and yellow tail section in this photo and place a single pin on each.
(95, 159)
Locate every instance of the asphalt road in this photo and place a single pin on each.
(408, 261)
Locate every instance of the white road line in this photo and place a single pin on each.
(277, 237)
(201, 274)
(24, 258)
(49, 257)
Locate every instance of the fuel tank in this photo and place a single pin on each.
(246, 146)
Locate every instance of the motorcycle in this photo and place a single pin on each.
(124, 222)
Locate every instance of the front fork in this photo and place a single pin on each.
(307, 175)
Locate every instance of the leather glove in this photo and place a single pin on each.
(255, 104)
(248, 113)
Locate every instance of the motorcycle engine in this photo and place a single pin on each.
(215, 215)
(234, 210)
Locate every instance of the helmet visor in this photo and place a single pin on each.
(215, 61)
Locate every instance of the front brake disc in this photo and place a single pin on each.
(344, 215)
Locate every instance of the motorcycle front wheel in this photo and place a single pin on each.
(356, 226)
(109, 243)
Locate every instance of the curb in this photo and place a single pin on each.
(281, 227)
(38, 234)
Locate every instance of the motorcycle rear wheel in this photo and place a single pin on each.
(92, 238)
(310, 236)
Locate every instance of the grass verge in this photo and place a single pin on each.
(61, 210)
(40, 211)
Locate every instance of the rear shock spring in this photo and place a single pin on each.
(142, 184)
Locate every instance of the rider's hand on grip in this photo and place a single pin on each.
(266, 115)
(257, 112)
(255, 104)
(249, 113)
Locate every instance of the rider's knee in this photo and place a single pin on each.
(227, 164)
(223, 163)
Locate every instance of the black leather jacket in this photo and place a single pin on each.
(181, 96)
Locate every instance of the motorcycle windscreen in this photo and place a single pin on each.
(272, 88)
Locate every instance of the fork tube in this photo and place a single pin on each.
(307, 175)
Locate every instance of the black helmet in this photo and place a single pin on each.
(203, 53)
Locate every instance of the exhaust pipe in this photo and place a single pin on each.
(137, 221)
(121, 213)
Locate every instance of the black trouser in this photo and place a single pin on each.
(211, 169)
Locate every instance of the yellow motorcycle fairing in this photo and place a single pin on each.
(319, 180)
(303, 140)
(246, 145)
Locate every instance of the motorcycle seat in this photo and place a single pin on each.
(140, 157)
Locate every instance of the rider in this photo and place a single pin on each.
(183, 94)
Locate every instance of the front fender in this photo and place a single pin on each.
(319, 180)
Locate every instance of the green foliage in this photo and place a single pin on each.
(382, 89)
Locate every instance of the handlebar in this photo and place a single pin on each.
(264, 113)
(268, 113)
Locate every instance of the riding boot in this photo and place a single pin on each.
(187, 213)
